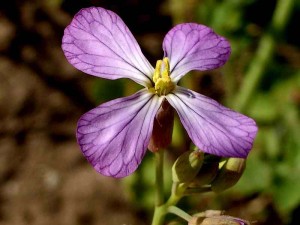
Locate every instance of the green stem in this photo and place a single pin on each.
(159, 215)
(264, 53)
(161, 211)
(161, 208)
(159, 176)
(178, 191)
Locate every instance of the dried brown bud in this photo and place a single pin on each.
(217, 220)
(221, 220)
(196, 220)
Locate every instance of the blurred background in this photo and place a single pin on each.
(44, 179)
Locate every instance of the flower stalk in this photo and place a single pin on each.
(179, 212)
(161, 211)
(161, 208)
(159, 176)
(178, 191)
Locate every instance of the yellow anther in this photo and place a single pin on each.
(161, 77)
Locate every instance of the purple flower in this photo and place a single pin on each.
(114, 136)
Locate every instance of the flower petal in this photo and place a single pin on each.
(212, 127)
(192, 46)
(99, 43)
(115, 135)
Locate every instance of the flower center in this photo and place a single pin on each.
(161, 77)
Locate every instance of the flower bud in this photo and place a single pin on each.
(162, 127)
(187, 166)
(217, 220)
(229, 174)
(196, 220)
(209, 213)
(199, 217)
(207, 172)
(224, 220)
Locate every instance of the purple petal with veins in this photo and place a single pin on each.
(212, 127)
(99, 43)
(192, 46)
(115, 135)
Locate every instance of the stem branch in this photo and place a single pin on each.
(177, 211)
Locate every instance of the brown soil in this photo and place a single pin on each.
(44, 179)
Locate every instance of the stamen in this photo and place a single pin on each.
(161, 77)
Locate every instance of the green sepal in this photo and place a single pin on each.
(187, 166)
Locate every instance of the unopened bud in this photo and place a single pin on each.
(217, 220)
(199, 217)
(229, 174)
(187, 166)
(207, 172)
(224, 220)
(196, 220)
(209, 213)
(162, 127)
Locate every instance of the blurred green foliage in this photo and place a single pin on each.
(273, 166)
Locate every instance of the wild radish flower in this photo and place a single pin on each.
(114, 136)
